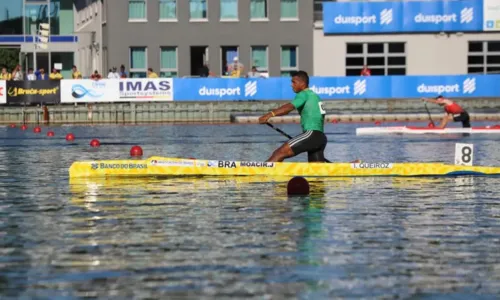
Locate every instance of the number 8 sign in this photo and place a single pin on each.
(464, 154)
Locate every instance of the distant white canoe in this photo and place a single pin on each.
(425, 130)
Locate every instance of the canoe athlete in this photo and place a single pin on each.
(453, 111)
(312, 117)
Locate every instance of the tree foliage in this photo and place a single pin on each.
(9, 58)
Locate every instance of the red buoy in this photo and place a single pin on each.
(298, 186)
(136, 151)
(24, 127)
(70, 137)
(37, 129)
(378, 123)
(50, 133)
(192, 158)
(335, 121)
(95, 143)
(12, 125)
(431, 125)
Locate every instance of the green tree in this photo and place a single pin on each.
(9, 58)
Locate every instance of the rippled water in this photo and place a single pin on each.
(232, 238)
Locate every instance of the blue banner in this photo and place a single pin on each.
(402, 16)
(335, 88)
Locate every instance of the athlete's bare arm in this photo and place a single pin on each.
(280, 111)
(445, 121)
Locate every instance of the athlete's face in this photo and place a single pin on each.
(297, 84)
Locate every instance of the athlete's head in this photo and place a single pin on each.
(300, 81)
(440, 100)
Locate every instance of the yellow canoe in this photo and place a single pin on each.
(164, 166)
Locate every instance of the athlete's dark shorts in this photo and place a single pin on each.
(311, 141)
(464, 118)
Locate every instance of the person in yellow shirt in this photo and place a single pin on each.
(55, 75)
(152, 74)
(5, 75)
(76, 74)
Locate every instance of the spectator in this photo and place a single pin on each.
(123, 74)
(17, 75)
(254, 73)
(236, 68)
(204, 70)
(76, 74)
(152, 74)
(366, 71)
(31, 76)
(113, 74)
(96, 76)
(55, 75)
(5, 75)
(41, 75)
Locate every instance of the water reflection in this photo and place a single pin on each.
(239, 237)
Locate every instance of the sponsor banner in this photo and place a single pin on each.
(33, 92)
(145, 89)
(448, 86)
(351, 87)
(3, 91)
(491, 15)
(402, 16)
(89, 91)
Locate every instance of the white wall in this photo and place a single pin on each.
(426, 54)
(87, 20)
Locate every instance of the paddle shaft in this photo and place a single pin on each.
(429, 114)
(287, 135)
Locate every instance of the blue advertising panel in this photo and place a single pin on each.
(402, 16)
(355, 17)
(335, 88)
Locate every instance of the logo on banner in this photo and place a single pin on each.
(331, 90)
(467, 15)
(355, 20)
(360, 87)
(250, 88)
(386, 16)
(220, 92)
(469, 85)
(146, 88)
(1, 90)
(19, 91)
(79, 91)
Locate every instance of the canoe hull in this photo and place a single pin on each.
(426, 130)
(163, 166)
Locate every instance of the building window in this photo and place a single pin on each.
(168, 62)
(381, 58)
(318, 9)
(483, 57)
(35, 14)
(258, 9)
(11, 17)
(138, 62)
(61, 17)
(168, 9)
(289, 60)
(289, 10)
(198, 9)
(259, 58)
(228, 9)
(137, 10)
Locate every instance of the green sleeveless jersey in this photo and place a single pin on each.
(312, 115)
